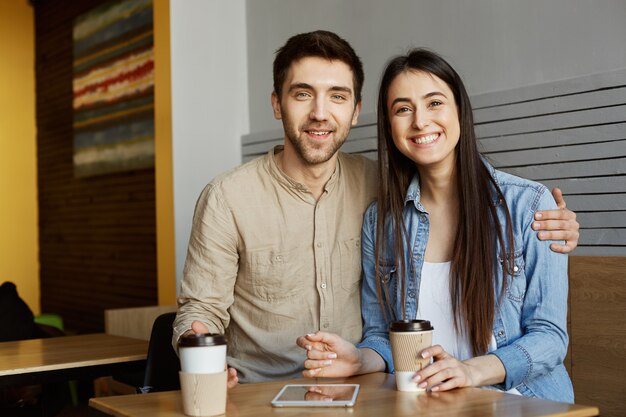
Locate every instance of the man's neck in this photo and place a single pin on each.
(314, 177)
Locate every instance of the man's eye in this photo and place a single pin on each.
(338, 97)
(302, 94)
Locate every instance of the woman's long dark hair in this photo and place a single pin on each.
(472, 279)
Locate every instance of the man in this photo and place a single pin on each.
(274, 251)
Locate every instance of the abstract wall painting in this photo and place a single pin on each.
(113, 87)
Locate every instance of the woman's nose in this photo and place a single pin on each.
(420, 120)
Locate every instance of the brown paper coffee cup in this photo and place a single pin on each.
(408, 338)
(203, 395)
(405, 348)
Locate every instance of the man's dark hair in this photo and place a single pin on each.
(322, 44)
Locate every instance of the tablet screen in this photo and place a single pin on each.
(317, 395)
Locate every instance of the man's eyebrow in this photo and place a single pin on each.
(342, 89)
(427, 95)
(296, 86)
(305, 86)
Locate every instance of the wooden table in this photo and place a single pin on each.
(378, 397)
(39, 361)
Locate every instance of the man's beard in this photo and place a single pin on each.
(313, 153)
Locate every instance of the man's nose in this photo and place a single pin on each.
(319, 110)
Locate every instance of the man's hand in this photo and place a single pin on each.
(558, 224)
(233, 380)
(197, 327)
(328, 355)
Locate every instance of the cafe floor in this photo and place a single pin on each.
(74, 411)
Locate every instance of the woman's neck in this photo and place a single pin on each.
(438, 195)
(438, 186)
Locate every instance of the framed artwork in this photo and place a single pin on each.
(113, 88)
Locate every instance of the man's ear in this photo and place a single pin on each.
(276, 106)
(357, 112)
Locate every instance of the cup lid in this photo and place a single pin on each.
(410, 326)
(202, 339)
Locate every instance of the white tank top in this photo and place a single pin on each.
(434, 304)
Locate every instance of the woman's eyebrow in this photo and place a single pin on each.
(400, 100)
(434, 93)
(427, 95)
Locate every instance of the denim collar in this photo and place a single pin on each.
(413, 192)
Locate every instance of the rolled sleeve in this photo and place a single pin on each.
(381, 346)
(210, 268)
(375, 325)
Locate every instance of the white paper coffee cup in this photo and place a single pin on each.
(202, 353)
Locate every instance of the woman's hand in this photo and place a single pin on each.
(328, 355)
(447, 372)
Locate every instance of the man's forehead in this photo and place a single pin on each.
(318, 70)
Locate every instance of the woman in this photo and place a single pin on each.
(450, 240)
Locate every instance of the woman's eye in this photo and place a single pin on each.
(435, 103)
(403, 109)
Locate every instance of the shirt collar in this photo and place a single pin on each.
(292, 184)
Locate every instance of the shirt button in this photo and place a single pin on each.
(501, 333)
(279, 258)
(515, 268)
(412, 294)
(323, 285)
(326, 325)
(319, 245)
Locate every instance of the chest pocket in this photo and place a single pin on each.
(516, 283)
(278, 275)
(350, 253)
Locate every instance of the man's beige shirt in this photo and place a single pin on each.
(267, 263)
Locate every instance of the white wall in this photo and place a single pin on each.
(494, 44)
(222, 53)
(209, 100)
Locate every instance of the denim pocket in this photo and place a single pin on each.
(516, 281)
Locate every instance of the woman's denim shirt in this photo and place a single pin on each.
(530, 318)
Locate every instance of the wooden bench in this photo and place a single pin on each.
(135, 322)
(572, 134)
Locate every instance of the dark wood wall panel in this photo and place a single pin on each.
(598, 331)
(97, 235)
